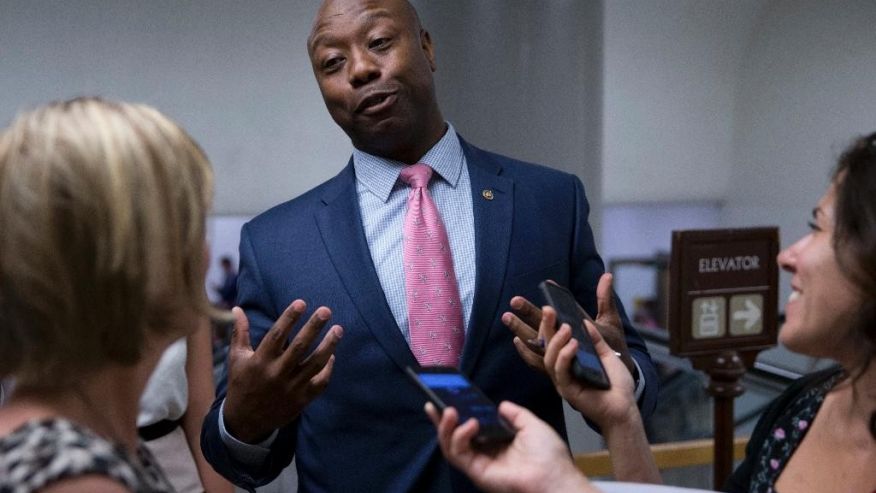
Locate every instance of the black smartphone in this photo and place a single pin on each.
(586, 366)
(446, 387)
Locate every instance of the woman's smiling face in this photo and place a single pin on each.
(821, 309)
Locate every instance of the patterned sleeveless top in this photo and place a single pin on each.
(44, 451)
(787, 433)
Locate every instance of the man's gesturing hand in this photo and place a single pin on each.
(609, 323)
(530, 342)
(270, 386)
(522, 322)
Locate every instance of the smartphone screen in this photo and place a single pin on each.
(446, 387)
(586, 367)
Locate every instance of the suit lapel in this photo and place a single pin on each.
(340, 225)
(492, 220)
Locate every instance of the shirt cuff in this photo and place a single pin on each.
(250, 454)
(640, 382)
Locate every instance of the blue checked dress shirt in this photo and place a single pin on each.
(383, 201)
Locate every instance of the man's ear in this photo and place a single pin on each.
(426, 46)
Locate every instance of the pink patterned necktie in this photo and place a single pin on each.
(434, 308)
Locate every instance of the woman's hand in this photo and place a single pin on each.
(617, 405)
(536, 461)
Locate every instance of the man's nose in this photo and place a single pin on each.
(362, 69)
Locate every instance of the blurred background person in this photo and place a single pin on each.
(817, 436)
(221, 335)
(228, 289)
(102, 266)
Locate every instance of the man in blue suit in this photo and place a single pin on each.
(509, 225)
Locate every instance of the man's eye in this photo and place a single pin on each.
(378, 43)
(332, 63)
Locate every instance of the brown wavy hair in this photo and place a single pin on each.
(855, 242)
(855, 232)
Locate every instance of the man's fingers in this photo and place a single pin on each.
(275, 339)
(605, 297)
(318, 359)
(535, 345)
(609, 321)
(240, 331)
(310, 382)
(527, 352)
(520, 328)
(529, 313)
(321, 380)
(300, 345)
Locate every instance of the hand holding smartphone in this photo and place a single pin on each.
(446, 387)
(586, 366)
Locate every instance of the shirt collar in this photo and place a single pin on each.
(380, 175)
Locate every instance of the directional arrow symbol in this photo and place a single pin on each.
(751, 314)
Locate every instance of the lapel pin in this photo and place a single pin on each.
(487, 194)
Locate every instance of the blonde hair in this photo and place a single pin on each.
(102, 237)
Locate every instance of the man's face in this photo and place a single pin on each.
(374, 68)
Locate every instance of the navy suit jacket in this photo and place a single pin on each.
(368, 431)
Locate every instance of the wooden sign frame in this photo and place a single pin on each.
(708, 266)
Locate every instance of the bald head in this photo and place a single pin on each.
(401, 10)
(374, 63)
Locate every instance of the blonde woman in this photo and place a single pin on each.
(102, 264)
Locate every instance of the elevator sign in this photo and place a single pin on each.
(723, 290)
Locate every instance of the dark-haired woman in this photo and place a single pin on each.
(818, 436)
